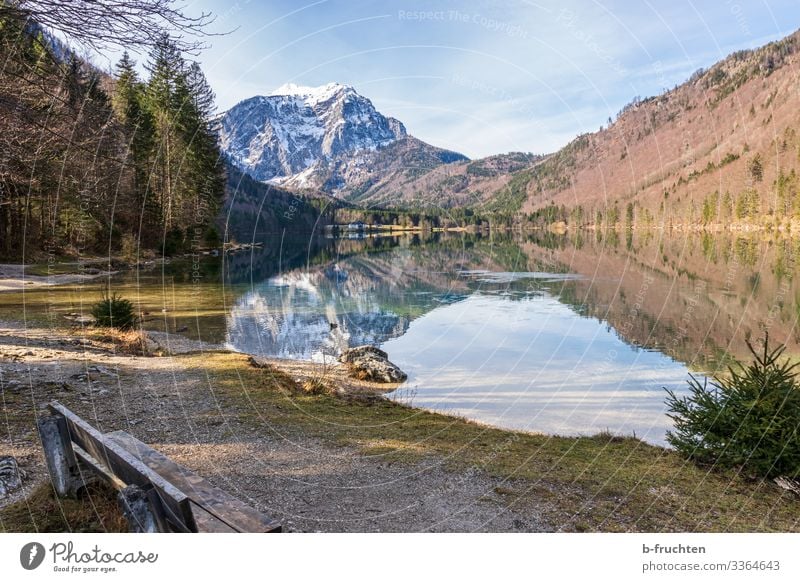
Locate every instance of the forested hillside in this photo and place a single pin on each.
(98, 163)
(719, 151)
(254, 208)
(716, 152)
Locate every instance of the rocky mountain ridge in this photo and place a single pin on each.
(325, 138)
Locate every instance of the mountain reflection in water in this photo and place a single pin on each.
(477, 338)
(564, 334)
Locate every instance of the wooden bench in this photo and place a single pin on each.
(155, 493)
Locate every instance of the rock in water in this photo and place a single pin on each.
(10, 475)
(349, 355)
(371, 364)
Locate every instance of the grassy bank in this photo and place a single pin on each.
(602, 483)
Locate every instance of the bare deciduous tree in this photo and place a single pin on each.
(131, 24)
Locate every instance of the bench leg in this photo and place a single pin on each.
(138, 509)
(61, 462)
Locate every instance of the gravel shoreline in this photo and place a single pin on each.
(171, 403)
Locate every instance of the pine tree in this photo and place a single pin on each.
(756, 168)
(163, 97)
(128, 102)
(727, 205)
(204, 158)
(201, 94)
(749, 418)
(187, 170)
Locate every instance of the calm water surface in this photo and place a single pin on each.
(477, 340)
(564, 335)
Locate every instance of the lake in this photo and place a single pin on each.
(562, 334)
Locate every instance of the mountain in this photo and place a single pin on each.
(458, 184)
(326, 138)
(719, 150)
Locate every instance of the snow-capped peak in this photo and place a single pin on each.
(310, 94)
(298, 131)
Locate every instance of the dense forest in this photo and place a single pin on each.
(99, 163)
(254, 208)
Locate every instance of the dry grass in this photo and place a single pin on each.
(130, 342)
(600, 483)
(317, 387)
(42, 512)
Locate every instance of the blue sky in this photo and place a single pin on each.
(484, 76)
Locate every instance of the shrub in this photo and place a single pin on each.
(749, 420)
(129, 248)
(211, 238)
(114, 311)
(174, 242)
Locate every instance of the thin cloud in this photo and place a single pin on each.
(485, 77)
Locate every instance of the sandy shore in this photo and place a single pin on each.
(14, 278)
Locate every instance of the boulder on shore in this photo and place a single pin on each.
(353, 353)
(371, 364)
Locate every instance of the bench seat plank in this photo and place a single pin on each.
(126, 467)
(207, 523)
(213, 501)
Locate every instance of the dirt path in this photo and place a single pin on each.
(308, 483)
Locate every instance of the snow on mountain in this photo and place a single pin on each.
(310, 95)
(314, 315)
(314, 137)
(278, 136)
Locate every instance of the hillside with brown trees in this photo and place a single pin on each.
(719, 151)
